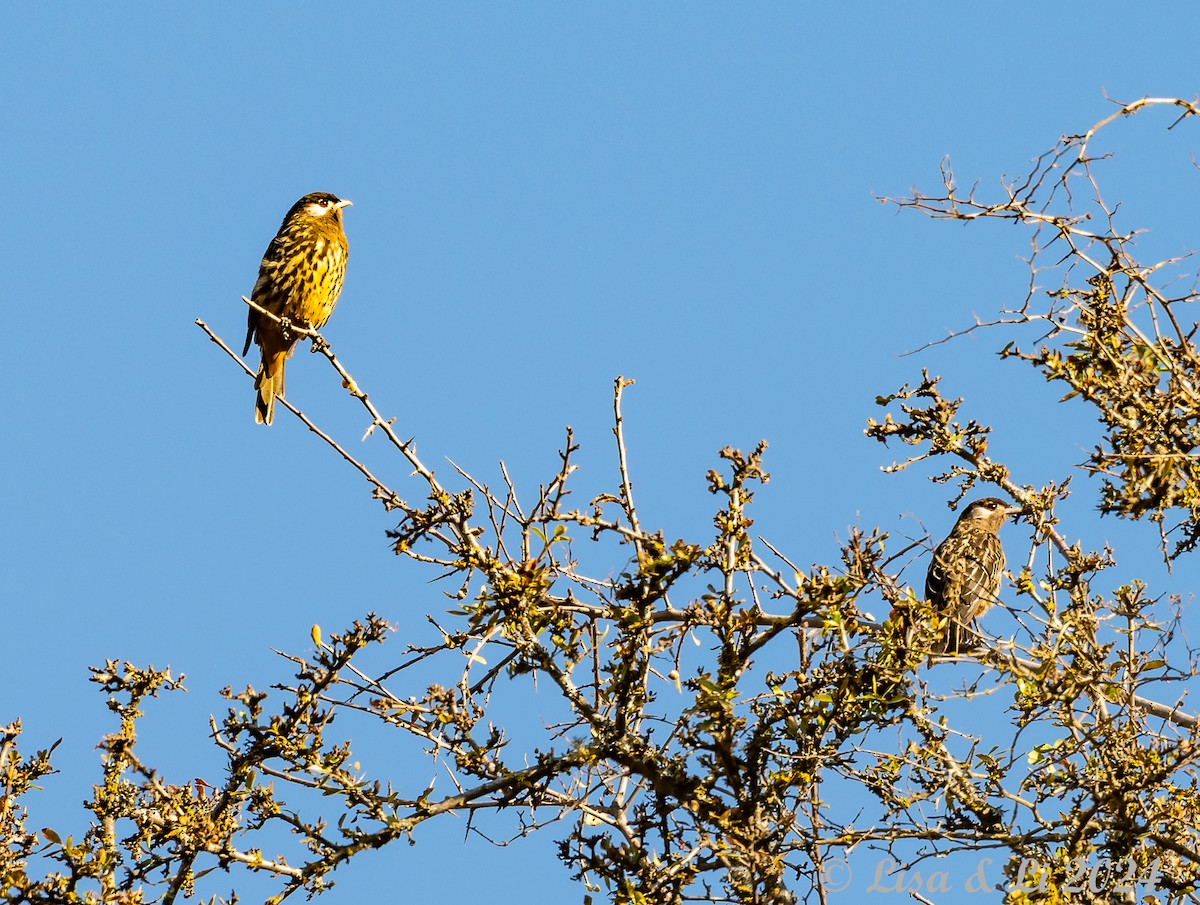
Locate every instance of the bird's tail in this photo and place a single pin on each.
(958, 639)
(269, 384)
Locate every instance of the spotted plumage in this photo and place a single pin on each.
(965, 574)
(299, 279)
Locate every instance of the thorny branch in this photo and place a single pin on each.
(1112, 329)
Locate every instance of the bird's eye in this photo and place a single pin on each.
(324, 202)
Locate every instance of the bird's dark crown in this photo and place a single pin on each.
(318, 204)
(989, 509)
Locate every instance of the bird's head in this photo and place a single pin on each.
(319, 206)
(990, 512)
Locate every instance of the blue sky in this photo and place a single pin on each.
(545, 196)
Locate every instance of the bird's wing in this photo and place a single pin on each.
(943, 581)
(982, 570)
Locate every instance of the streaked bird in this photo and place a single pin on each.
(299, 279)
(968, 566)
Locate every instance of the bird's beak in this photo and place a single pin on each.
(1014, 510)
(344, 203)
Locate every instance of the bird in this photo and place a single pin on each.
(964, 577)
(299, 280)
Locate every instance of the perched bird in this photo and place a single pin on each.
(964, 577)
(299, 279)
